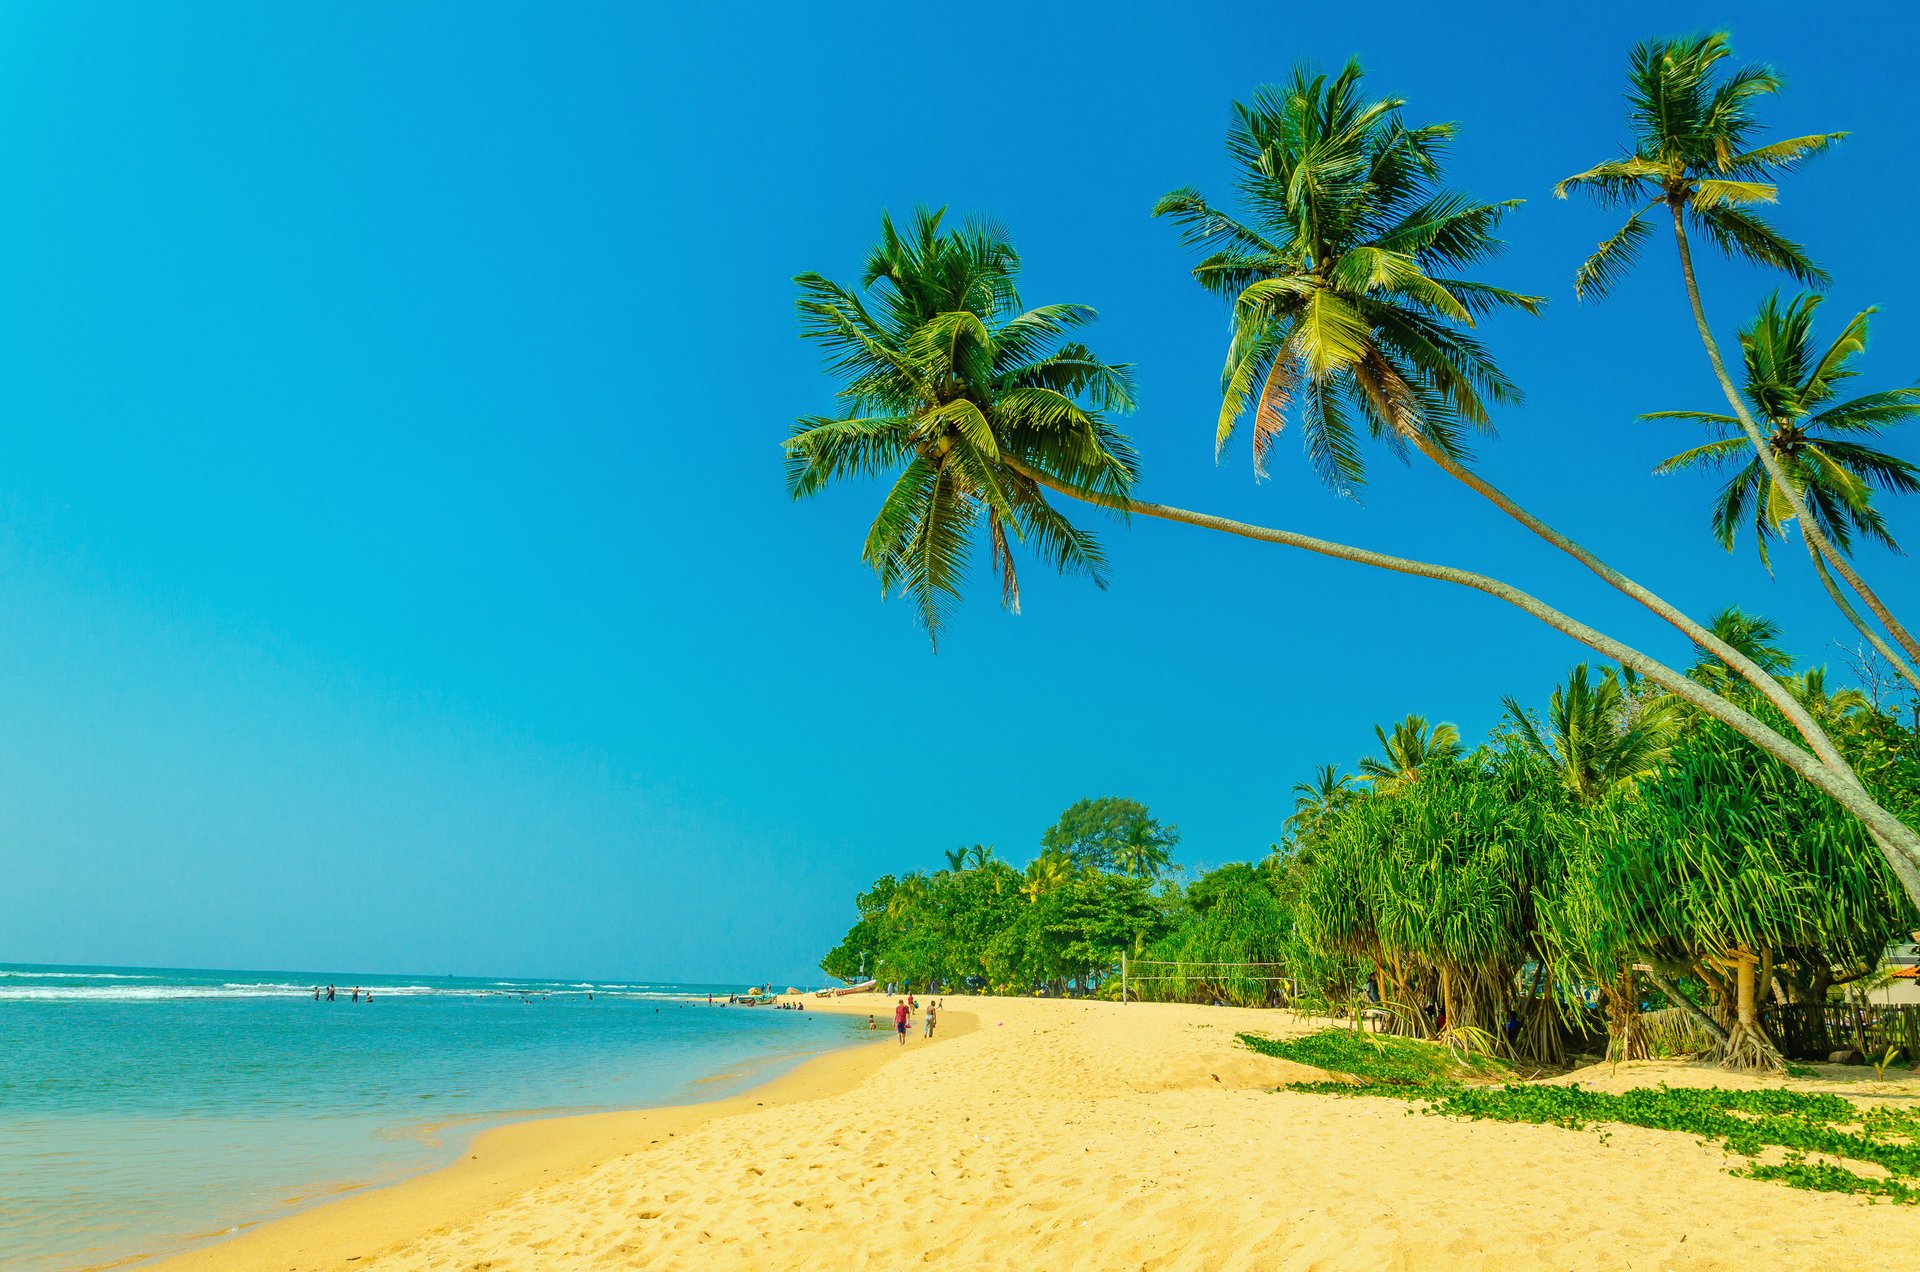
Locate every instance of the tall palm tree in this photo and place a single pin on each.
(945, 378)
(1411, 747)
(1596, 736)
(1080, 456)
(1791, 385)
(979, 855)
(1344, 275)
(1694, 151)
(1328, 791)
(956, 859)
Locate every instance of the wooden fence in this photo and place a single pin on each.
(1813, 1031)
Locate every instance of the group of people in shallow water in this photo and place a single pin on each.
(326, 993)
(903, 1012)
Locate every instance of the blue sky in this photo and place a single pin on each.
(394, 560)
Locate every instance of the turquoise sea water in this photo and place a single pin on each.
(144, 1109)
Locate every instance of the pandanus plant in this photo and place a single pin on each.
(978, 409)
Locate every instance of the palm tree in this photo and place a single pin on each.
(956, 859)
(1791, 385)
(915, 411)
(1045, 873)
(1693, 152)
(1754, 635)
(908, 895)
(1596, 737)
(979, 855)
(1143, 856)
(1410, 748)
(946, 380)
(1344, 279)
(1831, 706)
(1312, 800)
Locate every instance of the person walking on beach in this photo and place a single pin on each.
(900, 1020)
(933, 1010)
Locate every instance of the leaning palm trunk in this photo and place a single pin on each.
(1898, 843)
(1771, 462)
(1774, 692)
(1873, 637)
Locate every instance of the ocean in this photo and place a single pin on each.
(144, 1110)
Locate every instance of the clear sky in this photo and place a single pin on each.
(395, 567)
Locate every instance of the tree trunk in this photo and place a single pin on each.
(1747, 1047)
(1770, 688)
(1687, 1004)
(1898, 843)
(1626, 1031)
(1769, 460)
(1860, 625)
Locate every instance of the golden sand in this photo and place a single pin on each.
(1032, 1134)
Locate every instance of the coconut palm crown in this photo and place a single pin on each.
(1791, 385)
(1345, 276)
(1693, 150)
(955, 392)
(1596, 736)
(1409, 749)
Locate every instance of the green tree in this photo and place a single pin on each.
(1313, 800)
(1346, 277)
(1113, 834)
(1404, 753)
(947, 381)
(1727, 869)
(1791, 386)
(1595, 737)
(1694, 153)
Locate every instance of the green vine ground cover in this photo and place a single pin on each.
(1821, 1136)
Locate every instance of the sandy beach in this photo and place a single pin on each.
(1041, 1134)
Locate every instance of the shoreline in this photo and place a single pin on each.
(503, 1159)
(1050, 1134)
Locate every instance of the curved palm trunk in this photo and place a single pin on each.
(1898, 843)
(1778, 475)
(1775, 693)
(1860, 625)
